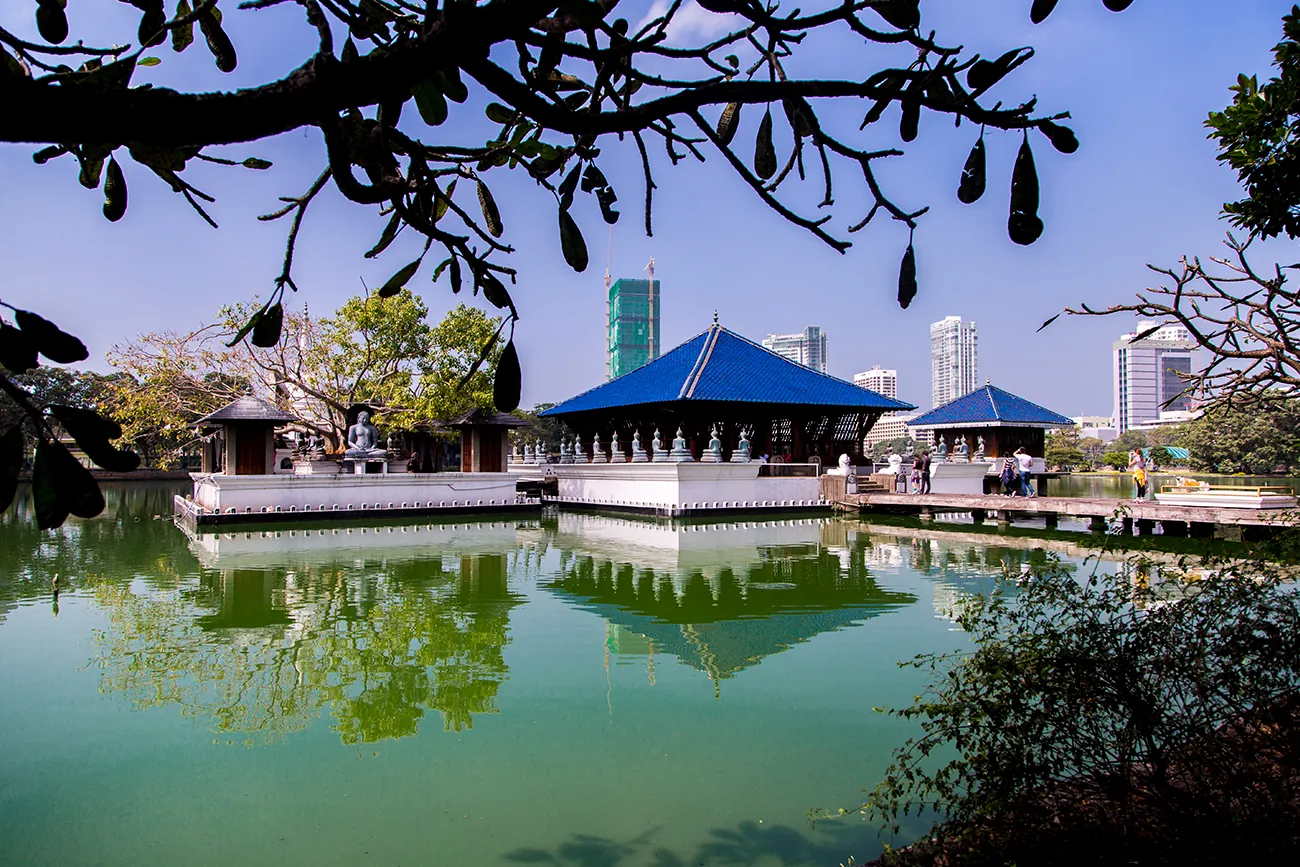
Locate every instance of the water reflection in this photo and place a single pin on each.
(718, 597)
(260, 653)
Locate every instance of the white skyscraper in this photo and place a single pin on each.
(878, 380)
(954, 359)
(1147, 374)
(808, 348)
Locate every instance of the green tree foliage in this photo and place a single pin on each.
(548, 430)
(378, 351)
(1093, 450)
(898, 446)
(1259, 137)
(1260, 440)
(1062, 449)
(1100, 721)
(1130, 440)
(1115, 459)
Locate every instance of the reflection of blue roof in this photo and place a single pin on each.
(991, 405)
(719, 365)
(1174, 452)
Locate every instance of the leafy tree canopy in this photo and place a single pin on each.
(1232, 440)
(379, 351)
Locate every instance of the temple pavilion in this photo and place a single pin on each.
(1004, 420)
(721, 380)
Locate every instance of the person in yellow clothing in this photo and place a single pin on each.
(1137, 465)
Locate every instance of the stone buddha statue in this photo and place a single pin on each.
(638, 451)
(979, 448)
(714, 454)
(680, 453)
(943, 448)
(741, 454)
(963, 450)
(657, 453)
(363, 440)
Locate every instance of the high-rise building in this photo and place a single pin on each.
(1149, 374)
(879, 380)
(632, 338)
(808, 348)
(954, 359)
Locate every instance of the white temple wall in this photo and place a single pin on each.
(674, 488)
(315, 493)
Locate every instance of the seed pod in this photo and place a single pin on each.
(399, 280)
(907, 126)
(52, 21)
(50, 340)
(266, 333)
(491, 216)
(223, 51)
(1040, 10)
(114, 192)
(572, 243)
(449, 82)
(455, 276)
(1061, 137)
(92, 166)
(764, 151)
(505, 385)
(1117, 5)
(1023, 225)
(907, 278)
(728, 121)
(972, 175)
(984, 74)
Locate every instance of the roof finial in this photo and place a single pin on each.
(715, 317)
(988, 380)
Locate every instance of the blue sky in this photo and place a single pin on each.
(1143, 187)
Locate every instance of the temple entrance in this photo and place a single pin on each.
(489, 458)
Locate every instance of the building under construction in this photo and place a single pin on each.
(632, 338)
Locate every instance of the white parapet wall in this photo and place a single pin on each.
(220, 498)
(958, 477)
(688, 488)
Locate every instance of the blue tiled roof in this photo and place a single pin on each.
(990, 404)
(720, 365)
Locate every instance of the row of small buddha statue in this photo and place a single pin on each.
(572, 453)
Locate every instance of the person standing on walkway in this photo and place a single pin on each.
(1010, 476)
(925, 472)
(1025, 465)
(1137, 465)
(916, 473)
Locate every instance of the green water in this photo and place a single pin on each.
(573, 690)
(1120, 485)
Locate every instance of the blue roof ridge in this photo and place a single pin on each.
(701, 361)
(1028, 401)
(988, 386)
(760, 346)
(630, 372)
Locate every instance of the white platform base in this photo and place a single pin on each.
(222, 499)
(958, 478)
(678, 489)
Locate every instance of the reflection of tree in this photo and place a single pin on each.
(726, 621)
(260, 652)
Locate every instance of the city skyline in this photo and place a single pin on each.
(1149, 374)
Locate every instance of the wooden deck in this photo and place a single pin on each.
(1174, 520)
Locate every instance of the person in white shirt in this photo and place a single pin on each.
(1025, 464)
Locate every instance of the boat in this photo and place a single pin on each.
(1189, 492)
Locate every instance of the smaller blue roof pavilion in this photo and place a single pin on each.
(1004, 421)
(990, 406)
(720, 379)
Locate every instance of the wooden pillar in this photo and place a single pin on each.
(1127, 525)
(927, 514)
(977, 516)
(1052, 520)
(1198, 530)
(1145, 526)
(1228, 532)
(1097, 524)
(1174, 528)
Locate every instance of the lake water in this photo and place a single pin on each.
(564, 689)
(1120, 485)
